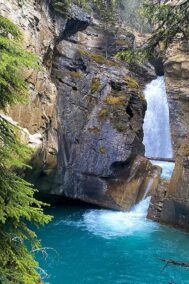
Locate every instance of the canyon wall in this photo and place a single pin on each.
(170, 201)
(175, 208)
(176, 68)
(85, 111)
(38, 115)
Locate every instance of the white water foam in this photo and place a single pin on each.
(167, 168)
(107, 223)
(157, 137)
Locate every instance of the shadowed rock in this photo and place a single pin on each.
(176, 205)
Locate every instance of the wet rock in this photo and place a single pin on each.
(175, 206)
(157, 201)
(175, 209)
(86, 108)
(100, 116)
(137, 180)
(129, 183)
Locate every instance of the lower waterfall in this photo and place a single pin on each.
(107, 223)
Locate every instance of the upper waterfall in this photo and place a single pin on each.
(157, 137)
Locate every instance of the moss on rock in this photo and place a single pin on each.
(75, 74)
(95, 85)
(114, 100)
(131, 82)
(120, 126)
(122, 42)
(102, 150)
(103, 113)
(98, 58)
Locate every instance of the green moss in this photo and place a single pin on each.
(99, 59)
(122, 42)
(115, 100)
(120, 126)
(75, 74)
(61, 6)
(95, 85)
(94, 130)
(103, 113)
(185, 150)
(102, 150)
(131, 82)
(141, 95)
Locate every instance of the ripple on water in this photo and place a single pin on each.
(104, 246)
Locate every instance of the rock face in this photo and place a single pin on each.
(157, 201)
(85, 106)
(38, 116)
(100, 116)
(177, 84)
(175, 209)
(170, 203)
(176, 205)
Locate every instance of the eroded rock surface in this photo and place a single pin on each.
(170, 202)
(177, 84)
(38, 116)
(176, 205)
(100, 117)
(157, 200)
(86, 107)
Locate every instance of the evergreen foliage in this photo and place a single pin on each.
(106, 10)
(131, 16)
(18, 207)
(168, 19)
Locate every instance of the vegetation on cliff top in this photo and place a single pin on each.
(169, 20)
(18, 207)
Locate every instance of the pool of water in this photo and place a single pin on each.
(95, 246)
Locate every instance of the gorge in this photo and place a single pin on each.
(135, 242)
(109, 143)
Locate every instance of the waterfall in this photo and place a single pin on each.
(108, 224)
(157, 137)
(157, 141)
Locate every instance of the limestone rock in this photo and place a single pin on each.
(138, 180)
(177, 83)
(157, 201)
(176, 205)
(100, 117)
(85, 111)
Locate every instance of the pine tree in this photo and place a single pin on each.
(168, 19)
(18, 207)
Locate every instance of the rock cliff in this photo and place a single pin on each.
(175, 207)
(85, 110)
(38, 116)
(177, 83)
(170, 201)
(176, 204)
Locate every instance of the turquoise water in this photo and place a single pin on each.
(93, 246)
